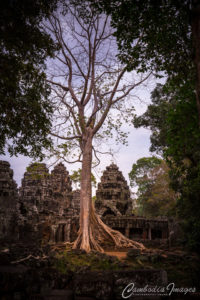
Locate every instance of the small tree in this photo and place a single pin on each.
(76, 178)
(155, 197)
(90, 91)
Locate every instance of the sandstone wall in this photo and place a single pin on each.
(113, 194)
(42, 210)
(9, 203)
(45, 209)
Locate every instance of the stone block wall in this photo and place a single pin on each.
(9, 203)
(47, 201)
(113, 194)
(45, 209)
(140, 229)
(42, 210)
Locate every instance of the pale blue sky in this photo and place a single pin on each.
(125, 156)
(138, 146)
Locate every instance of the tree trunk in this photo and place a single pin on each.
(86, 192)
(93, 233)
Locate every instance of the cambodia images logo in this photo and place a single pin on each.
(131, 290)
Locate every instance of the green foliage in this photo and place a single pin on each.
(155, 118)
(36, 171)
(182, 268)
(141, 169)
(76, 178)
(152, 34)
(25, 111)
(155, 197)
(178, 138)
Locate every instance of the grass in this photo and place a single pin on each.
(74, 261)
(184, 271)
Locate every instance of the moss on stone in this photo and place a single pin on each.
(74, 261)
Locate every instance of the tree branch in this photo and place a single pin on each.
(131, 88)
(65, 138)
(104, 115)
(66, 89)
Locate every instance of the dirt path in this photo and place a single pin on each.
(120, 255)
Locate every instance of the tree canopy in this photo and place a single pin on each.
(163, 36)
(25, 111)
(175, 133)
(152, 34)
(142, 167)
(154, 195)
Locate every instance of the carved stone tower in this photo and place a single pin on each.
(46, 201)
(9, 208)
(113, 195)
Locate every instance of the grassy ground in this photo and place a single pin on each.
(184, 271)
(78, 260)
(182, 268)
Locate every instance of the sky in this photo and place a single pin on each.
(125, 156)
(138, 146)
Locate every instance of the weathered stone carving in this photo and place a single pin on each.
(9, 206)
(47, 210)
(113, 194)
(140, 228)
(46, 200)
(44, 193)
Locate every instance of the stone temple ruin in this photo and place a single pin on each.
(113, 194)
(46, 209)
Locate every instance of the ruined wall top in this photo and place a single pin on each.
(60, 179)
(43, 203)
(113, 177)
(47, 191)
(35, 174)
(9, 207)
(8, 186)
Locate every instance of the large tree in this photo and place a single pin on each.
(24, 106)
(92, 98)
(155, 197)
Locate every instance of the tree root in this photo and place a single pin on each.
(98, 235)
(28, 257)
